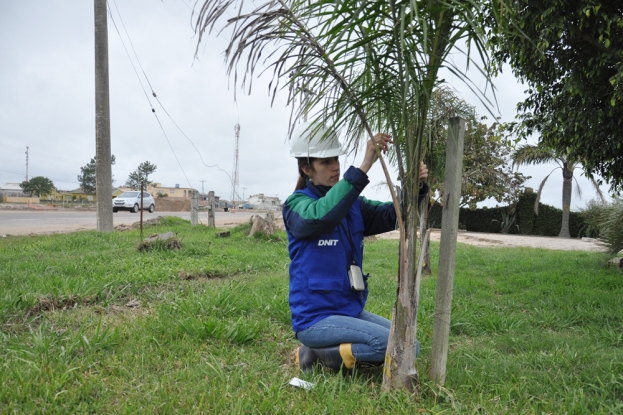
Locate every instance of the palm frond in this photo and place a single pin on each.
(578, 189)
(538, 194)
(531, 154)
(598, 191)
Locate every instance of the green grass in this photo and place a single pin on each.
(533, 331)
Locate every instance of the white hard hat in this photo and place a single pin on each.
(315, 140)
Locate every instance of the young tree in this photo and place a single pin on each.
(569, 53)
(360, 65)
(140, 175)
(87, 178)
(530, 154)
(38, 186)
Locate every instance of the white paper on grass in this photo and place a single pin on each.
(300, 383)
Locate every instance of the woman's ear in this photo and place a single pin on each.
(307, 170)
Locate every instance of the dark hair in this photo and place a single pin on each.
(301, 183)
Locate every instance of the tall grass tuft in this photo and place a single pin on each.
(611, 226)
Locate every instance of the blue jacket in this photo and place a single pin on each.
(325, 229)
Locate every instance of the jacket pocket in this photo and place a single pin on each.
(325, 284)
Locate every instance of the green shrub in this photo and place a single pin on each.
(592, 217)
(611, 226)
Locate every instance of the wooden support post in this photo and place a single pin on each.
(141, 209)
(194, 208)
(447, 249)
(212, 208)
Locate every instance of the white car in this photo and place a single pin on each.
(132, 201)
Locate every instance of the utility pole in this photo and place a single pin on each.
(235, 193)
(202, 182)
(243, 192)
(103, 169)
(26, 163)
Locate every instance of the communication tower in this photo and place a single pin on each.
(234, 177)
(26, 163)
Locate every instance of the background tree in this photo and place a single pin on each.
(140, 175)
(87, 178)
(38, 186)
(487, 173)
(359, 65)
(570, 54)
(539, 154)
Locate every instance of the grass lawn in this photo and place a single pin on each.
(89, 324)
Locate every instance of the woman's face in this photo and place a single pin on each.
(324, 172)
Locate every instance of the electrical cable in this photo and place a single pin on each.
(156, 97)
(21, 174)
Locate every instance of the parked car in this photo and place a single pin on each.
(132, 201)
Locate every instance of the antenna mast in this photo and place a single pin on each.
(26, 163)
(234, 176)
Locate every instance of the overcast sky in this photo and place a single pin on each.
(47, 102)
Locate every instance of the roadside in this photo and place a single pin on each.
(225, 220)
(17, 220)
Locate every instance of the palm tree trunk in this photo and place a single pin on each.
(567, 188)
(426, 268)
(400, 369)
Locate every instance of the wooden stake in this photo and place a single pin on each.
(447, 249)
(194, 208)
(141, 209)
(212, 207)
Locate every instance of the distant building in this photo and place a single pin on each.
(76, 194)
(157, 190)
(263, 202)
(11, 190)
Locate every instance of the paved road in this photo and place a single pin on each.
(25, 222)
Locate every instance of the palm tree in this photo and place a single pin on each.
(528, 154)
(362, 65)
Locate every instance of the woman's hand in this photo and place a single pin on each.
(382, 141)
(423, 172)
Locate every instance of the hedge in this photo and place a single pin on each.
(546, 223)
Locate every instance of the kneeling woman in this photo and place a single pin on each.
(326, 220)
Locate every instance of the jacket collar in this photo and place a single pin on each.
(319, 190)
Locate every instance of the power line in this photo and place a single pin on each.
(20, 174)
(145, 92)
(156, 97)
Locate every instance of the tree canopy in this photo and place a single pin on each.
(38, 186)
(487, 173)
(140, 175)
(570, 55)
(87, 178)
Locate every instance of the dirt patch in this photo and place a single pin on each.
(47, 304)
(137, 225)
(193, 275)
(506, 240)
(159, 245)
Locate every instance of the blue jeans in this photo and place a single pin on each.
(367, 332)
